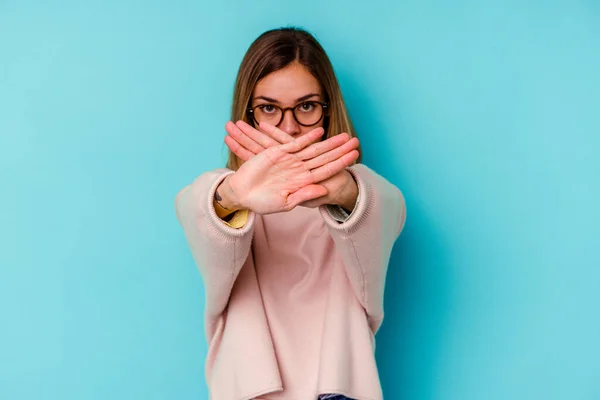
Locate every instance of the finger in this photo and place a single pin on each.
(319, 148)
(236, 133)
(238, 149)
(332, 154)
(303, 141)
(308, 192)
(259, 137)
(330, 169)
(276, 133)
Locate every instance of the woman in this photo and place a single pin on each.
(293, 238)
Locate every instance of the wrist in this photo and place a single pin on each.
(349, 194)
(225, 196)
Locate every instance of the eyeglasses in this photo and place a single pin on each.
(307, 113)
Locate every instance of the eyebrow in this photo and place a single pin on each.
(308, 96)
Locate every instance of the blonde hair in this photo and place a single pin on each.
(274, 50)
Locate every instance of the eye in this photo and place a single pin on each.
(268, 108)
(307, 106)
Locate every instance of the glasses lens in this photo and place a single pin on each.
(308, 113)
(267, 113)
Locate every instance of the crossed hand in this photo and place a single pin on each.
(281, 172)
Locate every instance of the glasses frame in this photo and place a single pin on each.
(324, 107)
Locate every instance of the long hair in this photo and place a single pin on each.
(274, 50)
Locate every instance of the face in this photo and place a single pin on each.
(292, 86)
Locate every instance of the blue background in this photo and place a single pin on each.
(485, 114)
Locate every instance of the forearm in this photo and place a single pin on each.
(215, 246)
(366, 239)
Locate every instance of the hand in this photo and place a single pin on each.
(342, 190)
(284, 175)
(246, 142)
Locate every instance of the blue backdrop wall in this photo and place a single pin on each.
(485, 114)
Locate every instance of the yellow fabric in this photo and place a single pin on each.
(239, 219)
(221, 212)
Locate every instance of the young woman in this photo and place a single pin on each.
(293, 238)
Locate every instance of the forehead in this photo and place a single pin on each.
(288, 84)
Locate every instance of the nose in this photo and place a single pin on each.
(288, 124)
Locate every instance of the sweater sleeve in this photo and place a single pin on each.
(365, 240)
(218, 249)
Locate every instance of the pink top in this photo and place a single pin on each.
(293, 300)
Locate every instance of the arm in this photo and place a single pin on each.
(218, 249)
(365, 240)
